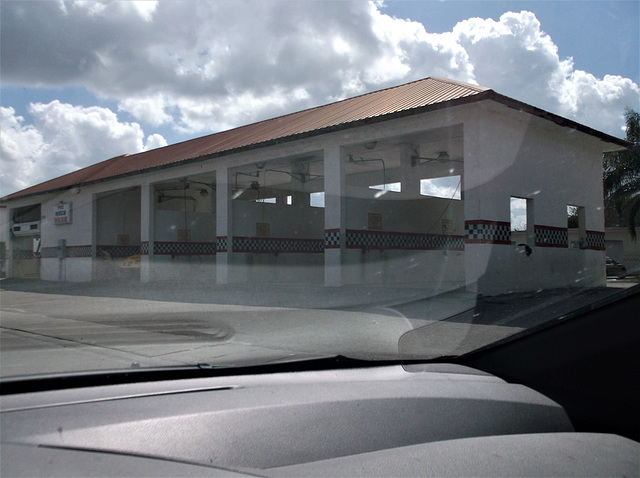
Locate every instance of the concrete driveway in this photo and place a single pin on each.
(52, 327)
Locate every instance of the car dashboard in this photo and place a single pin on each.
(559, 400)
(411, 420)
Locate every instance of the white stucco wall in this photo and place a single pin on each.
(202, 226)
(297, 222)
(78, 236)
(510, 153)
(71, 269)
(506, 153)
(435, 269)
(79, 232)
(5, 241)
(184, 267)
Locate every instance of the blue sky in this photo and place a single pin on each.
(601, 36)
(84, 81)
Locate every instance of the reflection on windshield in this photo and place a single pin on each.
(421, 221)
(53, 327)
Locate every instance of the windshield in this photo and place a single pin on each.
(244, 183)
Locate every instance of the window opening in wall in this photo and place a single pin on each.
(289, 200)
(577, 218)
(573, 222)
(577, 227)
(393, 187)
(266, 200)
(518, 214)
(447, 187)
(521, 221)
(316, 199)
(26, 214)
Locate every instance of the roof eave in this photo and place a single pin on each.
(559, 120)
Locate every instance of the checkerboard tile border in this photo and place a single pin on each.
(72, 252)
(277, 245)
(78, 251)
(119, 251)
(480, 231)
(166, 248)
(551, 236)
(359, 239)
(161, 248)
(477, 232)
(20, 254)
(48, 252)
(595, 240)
(332, 239)
(222, 244)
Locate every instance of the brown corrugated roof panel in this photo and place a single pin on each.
(404, 98)
(408, 96)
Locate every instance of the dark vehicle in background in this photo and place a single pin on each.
(615, 269)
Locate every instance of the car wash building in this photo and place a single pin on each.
(414, 185)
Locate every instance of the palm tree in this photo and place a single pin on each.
(622, 176)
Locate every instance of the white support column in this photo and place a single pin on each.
(5, 240)
(472, 169)
(147, 229)
(224, 225)
(488, 256)
(475, 255)
(334, 215)
(95, 260)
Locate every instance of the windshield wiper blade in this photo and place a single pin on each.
(61, 381)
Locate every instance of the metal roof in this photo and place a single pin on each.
(410, 98)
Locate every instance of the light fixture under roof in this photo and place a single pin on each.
(443, 157)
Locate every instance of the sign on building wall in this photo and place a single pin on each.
(263, 229)
(184, 235)
(122, 239)
(375, 221)
(62, 213)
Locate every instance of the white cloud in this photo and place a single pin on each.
(515, 57)
(142, 8)
(597, 103)
(447, 187)
(154, 141)
(518, 214)
(20, 146)
(63, 138)
(236, 109)
(150, 109)
(518, 221)
(201, 67)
